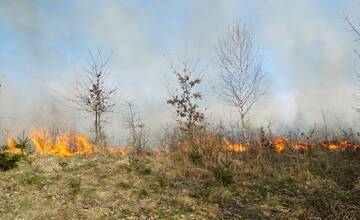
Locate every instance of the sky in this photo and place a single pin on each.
(306, 45)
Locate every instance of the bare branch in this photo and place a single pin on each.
(242, 77)
(136, 126)
(92, 95)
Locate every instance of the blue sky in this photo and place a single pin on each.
(306, 46)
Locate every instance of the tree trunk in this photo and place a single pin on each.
(96, 129)
(243, 126)
(100, 140)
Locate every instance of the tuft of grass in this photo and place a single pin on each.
(124, 185)
(135, 164)
(7, 208)
(223, 175)
(74, 186)
(25, 204)
(163, 182)
(63, 164)
(181, 205)
(142, 193)
(195, 157)
(31, 178)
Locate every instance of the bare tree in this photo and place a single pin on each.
(185, 99)
(355, 29)
(242, 77)
(92, 94)
(136, 126)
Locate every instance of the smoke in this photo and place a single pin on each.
(307, 53)
(315, 51)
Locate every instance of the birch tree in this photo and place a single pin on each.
(241, 74)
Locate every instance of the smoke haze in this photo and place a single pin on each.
(307, 50)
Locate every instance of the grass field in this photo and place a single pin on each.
(169, 186)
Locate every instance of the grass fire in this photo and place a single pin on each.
(256, 118)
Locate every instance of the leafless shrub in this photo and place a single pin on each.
(134, 123)
(170, 138)
(92, 94)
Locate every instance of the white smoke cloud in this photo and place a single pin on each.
(307, 48)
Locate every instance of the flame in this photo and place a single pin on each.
(68, 144)
(234, 147)
(279, 144)
(116, 150)
(338, 145)
(158, 151)
(184, 149)
(65, 145)
(183, 146)
(42, 141)
(303, 146)
(11, 146)
(209, 141)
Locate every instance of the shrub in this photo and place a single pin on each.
(223, 170)
(8, 161)
(23, 144)
(223, 174)
(195, 157)
(33, 178)
(135, 164)
(74, 186)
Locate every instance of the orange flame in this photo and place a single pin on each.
(11, 146)
(71, 143)
(68, 144)
(209, 141)
(116, 150)
(279, 144)
(300, 146)
(338, 145)
(65, 145)
(234, 147)
(158, 151)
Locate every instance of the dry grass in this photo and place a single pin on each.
(99, 187)
(169, 186)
